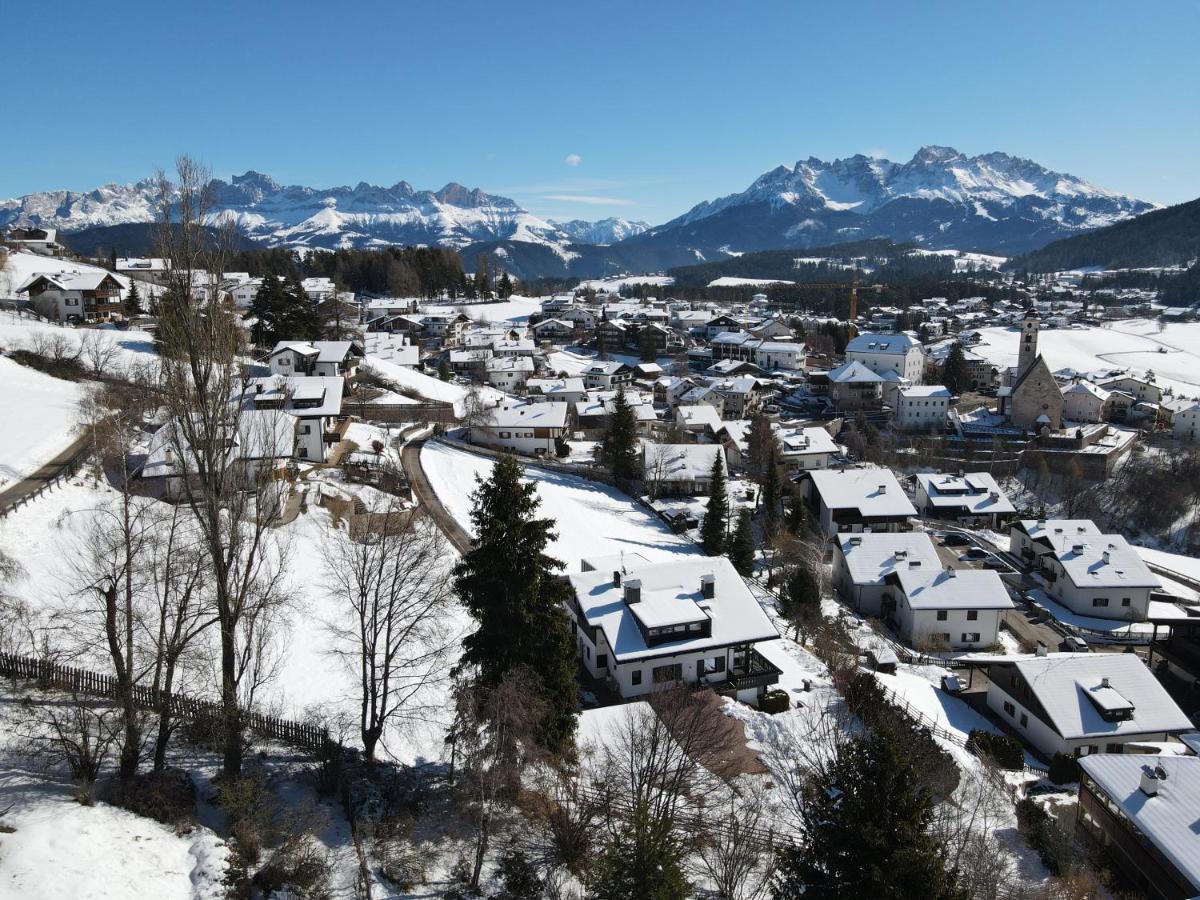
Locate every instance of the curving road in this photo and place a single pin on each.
(410, 457)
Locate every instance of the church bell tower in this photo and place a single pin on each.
(1031, 322)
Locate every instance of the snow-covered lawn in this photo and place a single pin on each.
(593, 519)
(39, 413)
(613, 285)
(1188, 566)
(134, 348)
(734, 281)
(514, 309)
(568, 361)
(1134, 344)
(429, 387)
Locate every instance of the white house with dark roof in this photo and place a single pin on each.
(1083, 703)
(1090, 573)
(866, 499)
(643, 626)
(973, 496)
(900, 353)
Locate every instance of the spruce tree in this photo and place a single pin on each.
(800, 598)
(772, 494)
(797, 515)
(507, 583)
(741, 547)
(505, 286)
(133, 302)
(619, 447)
(270, 309)
(641, 859)
(301, 319)
(716, 515)
(955, 375)
(443, 369)
(864, 830)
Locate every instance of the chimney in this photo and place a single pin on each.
(708, 586)
(883, 489)
(1104, 682)
(950, 572)
(616, 577)
(1041, 649)
(633, 590)
(1149, 782)
(1106, 556)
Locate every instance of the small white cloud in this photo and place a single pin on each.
(573, 159)
(589, 199)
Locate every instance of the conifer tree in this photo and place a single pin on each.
(772, 494)
(741, 547)
(955, 376)
(443, 369)
(759, 443)
(619, 447)
(797, 515)
(505, 286)
(864, 830)
(800, 597)
(301, 319)
(507, 583)
(716, 515)
(270, 309)
(133, 301)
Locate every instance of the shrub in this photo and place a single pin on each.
(775, 702)
(1064, 769)
(1005, 750)
(519, 877)
(301, 867)
(1041, 831)
(168, 796)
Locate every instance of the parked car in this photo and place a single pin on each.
(974, 553)
(955, 539)
(993, 562)
(1074, 644)
(952, 684)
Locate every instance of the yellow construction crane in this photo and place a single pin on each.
(854, 287)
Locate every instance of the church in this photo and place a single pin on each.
(1034, 401)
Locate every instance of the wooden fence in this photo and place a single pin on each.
(69, 468)
(302, 735)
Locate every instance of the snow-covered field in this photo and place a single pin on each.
(1188, 566)
(39, 413)
(612, 285)
(1133, 344)
(593, 519)
(133, 347)
(734, 281)
(427, 386)
(568, 361)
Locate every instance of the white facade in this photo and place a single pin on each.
(1187, 424)
(897, 353)
(526, 427)
(921, 408)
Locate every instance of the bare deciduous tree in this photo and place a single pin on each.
(394, 632)
(99, 351)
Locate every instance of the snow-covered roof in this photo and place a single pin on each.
(1058, 533)
(953, 589)
(873, 492)
(604, 368)
(528, 415)
(550, 386)
(303, 396)
(1168, 819)
(803, 441)
(78, 279)
(898, 344)
(853, 372)
(1064, 685)
(925, 390)
(670, 597)
(258, 434)
(1087, 387)
(509, 364)
(977, 491)
(680, 462)
(699, 415)
(323, 351)
(781, 347)
(870, 558)
(1105, 561)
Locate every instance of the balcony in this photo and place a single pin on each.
(756, 672)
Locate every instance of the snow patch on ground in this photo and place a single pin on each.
(39, 413)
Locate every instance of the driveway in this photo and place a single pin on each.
(410, 458)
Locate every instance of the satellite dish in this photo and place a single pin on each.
(1160, 773)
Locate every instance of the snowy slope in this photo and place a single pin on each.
(603, 231)
(593, 519)
(39, 413)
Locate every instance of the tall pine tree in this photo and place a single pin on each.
(270, 311)
(864, 830)
(741, 547)
(619, 447)
(133, 301)
(955, 375)
(716, 515)
(772, 494)
(507, 583)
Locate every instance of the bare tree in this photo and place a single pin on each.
(55, 346)
(393, 631)
(99, 351)
(232, 502)
(734, 856)
(657, 466)
(475, 411)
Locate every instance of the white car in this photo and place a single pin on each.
(952, 684)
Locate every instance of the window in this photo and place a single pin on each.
(1100, 601)
(695, 626)
(1024, 720)
(941, 615)
(636, 677)
(717, 664)
(505, 434)
(972, 615)
(945, 636)
(601, 660)
(1009, 708)
(1125, 601)
(587, 651)
(1113, 748)
(970, 637)
(304, 429)
(669, 672)
(304, 453)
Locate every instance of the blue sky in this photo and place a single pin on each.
(596, 109)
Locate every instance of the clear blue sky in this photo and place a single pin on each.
(658, 104)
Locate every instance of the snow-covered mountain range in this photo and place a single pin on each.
(939, 199)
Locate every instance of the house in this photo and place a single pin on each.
(469, 362)
(900, 353)
(742, 397)
(613, 335)
(315, 401)
(606, 375)
(950, 609)
(648, 371)
(974, 497)
(1083, 703)
(83, 294)
(727, 368)
(151, 270)
(1186, 426)
(806, 448)
(1143, 389)
(1084, 401)
(259, 443)
(772, 329)
(736, 345)
(862, 563)
(528, 427)
(720, 325)
(669, 388)
(701, 419)
(854, 386)
(679, 469)
(922, 407)
(511, 347)
(508, 373)
(327, 358)
(244, 292)
(548, 329)
(557, 390)
(1142, 810)
(642, 627)
(42, 241)
(1090, 573)
(786, 355)
(579, 317)
(866, 499)
(704, 394)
